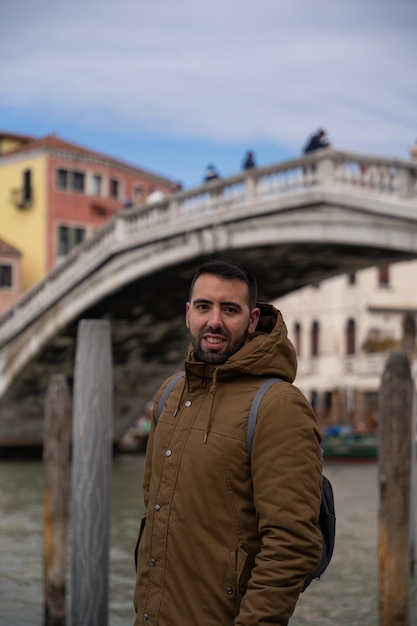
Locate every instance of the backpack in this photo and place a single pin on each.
(327, 519)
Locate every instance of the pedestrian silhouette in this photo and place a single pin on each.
(210, 173)
(249, 161)
(316, 142)
(413, 151)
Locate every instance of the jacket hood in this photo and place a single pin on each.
(268, 353)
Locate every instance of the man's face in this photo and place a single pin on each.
(219, 318)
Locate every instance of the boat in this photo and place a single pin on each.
(344, 443)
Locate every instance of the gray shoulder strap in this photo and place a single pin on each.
(254, 410)
(164, 397)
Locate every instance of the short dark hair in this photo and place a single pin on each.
(228, 268)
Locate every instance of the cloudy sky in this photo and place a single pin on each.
(172, 85)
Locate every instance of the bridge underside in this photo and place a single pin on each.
(148, 331)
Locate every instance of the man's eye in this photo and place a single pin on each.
(230, 309)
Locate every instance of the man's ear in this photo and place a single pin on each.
(254, 319)
(187, 308)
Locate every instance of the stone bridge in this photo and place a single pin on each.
(294, 223)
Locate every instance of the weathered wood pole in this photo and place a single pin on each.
(91, 473)
(413, 512)
(394, 474)
(56, 459)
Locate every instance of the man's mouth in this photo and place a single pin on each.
(214, 340)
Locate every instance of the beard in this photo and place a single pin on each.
(215, 357)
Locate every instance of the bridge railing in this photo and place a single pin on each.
(218, 201)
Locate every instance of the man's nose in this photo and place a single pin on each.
(215, 318)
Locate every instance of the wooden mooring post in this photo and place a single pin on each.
(413, 516)
(56, 459)
(394, 475)
(91, 473)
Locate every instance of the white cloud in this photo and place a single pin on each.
(234, 71)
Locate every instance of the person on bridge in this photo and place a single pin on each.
(228, 537)
(210, 173)
(316, 142)
(249, 161)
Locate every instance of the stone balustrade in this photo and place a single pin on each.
(216, 202)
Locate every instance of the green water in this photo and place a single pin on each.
(346, 595)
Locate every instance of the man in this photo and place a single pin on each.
(316, 142)
(228, 538)
(249, 161)
(210, 173)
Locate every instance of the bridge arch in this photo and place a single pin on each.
(295, 224)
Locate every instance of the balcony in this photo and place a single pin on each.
(334, 369)
(366, 364)
(22, 197)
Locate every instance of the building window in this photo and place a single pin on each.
(114, 188)
(78, 181)
(66, 179)
(61, 179)
(409, 332)
(79, 235)
(297, 338)
(327, 404)
(315, 338)
(63, 240)
(27, 186)
(68, 238)
(383, 275)
(139, 192)
(314, 399)
(6, 275)
(96, 184)
(351, 278)
(350, 337)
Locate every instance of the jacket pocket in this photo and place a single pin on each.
(241, 570)
(141, 529)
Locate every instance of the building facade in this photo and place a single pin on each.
(343, 330)
(10, 275)
(54, 194)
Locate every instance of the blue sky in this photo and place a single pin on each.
(172, 85)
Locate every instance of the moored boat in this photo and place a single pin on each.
(343, 443)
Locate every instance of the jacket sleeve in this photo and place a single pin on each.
(286, 470)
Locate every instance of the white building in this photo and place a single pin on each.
(343, 330)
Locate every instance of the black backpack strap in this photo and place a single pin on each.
(254, 410)
(164, 397)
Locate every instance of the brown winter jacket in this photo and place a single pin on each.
(229, 540)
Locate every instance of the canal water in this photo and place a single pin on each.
(346, 594)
